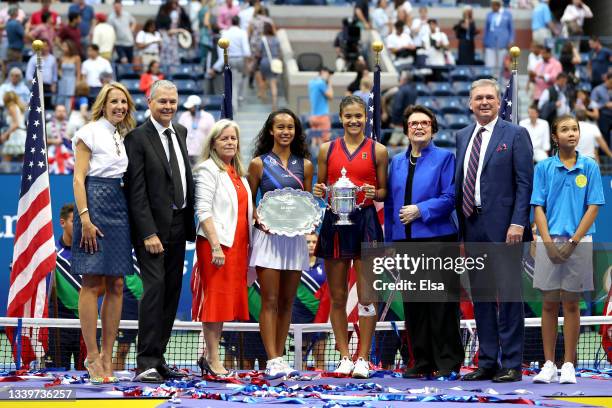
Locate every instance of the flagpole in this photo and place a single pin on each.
(227, 111)
(224, 44)
(515, 53)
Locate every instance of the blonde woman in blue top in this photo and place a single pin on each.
(567, 193)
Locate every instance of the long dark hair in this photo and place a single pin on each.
(265, 140)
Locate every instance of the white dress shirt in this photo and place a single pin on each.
(177, 150)
(100, 138)
(239, 46)
(486, 137)
(540, 137)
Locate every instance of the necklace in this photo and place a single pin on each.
(416, 159)
(116, 138)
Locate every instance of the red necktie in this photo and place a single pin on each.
(469, 182)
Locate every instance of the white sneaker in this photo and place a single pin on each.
(362, 369)
(289, 372)
(345, 366)
(547, 375)
(568, 374)
(274, 369)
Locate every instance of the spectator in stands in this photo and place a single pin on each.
(247, 13)
(569, 59)
(365, 87)
(554, 101)
(239, 52)
(148, 42)
(255, 33)
(419, 27)
(338, 245)
(14, 137)
(306, 305)
(44, 31)
(69, 73)
(87, 14)
(204, 19)
(405, 96)
(539, 132)
(226, 13)
(198, 123)
(49, 74)
(15, 36)
(280, 160)
(399, 42)
(104, 37)
(362, 70)
(402, 11)
(542, 25)
(466, 32)
(124, 25)
(269, 51)
(533, 59)
(583, 102)
(45, 7)
(102, 215)
(418, 208)
(380, 19)
(600, 99)
(546, 72)
(72, 31)
(171, 19)
(148, 78)
(567, 194)
(591, 139)
(438, 54)
(222, 197)
(79, 114)
(59, 145)
(320, 93)
(498, 36)
(573, 18)
(361, 14)
(93, 68)
(213, 81)
(4, 19)
(14, 83)
(599, 61)
(65, 344)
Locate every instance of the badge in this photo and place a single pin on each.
(581, 180)
(364, 155)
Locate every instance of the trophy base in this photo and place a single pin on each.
(343, 220)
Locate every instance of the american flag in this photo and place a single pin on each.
(508, 106)
(34, 248)
(373, 126)
(227, 111)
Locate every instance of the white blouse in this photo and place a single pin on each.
(104, 161)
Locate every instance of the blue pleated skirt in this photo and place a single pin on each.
(107, 211)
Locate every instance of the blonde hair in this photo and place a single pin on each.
(97, 110)
(11, 97)
(209, 153)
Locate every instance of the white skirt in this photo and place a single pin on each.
(279, 252)
(574, 275)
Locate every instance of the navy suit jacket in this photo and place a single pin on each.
(506, 180)
(433, 192)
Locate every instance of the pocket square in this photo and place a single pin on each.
(501, 148)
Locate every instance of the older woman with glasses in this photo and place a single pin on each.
(418, 208)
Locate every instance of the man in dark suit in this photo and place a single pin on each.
(493, 183)
(160, 194)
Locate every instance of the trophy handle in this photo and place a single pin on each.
(359, 189)
(325, 198)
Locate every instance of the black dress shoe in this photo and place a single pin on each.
(170, 373)
(481, 374)
(149, 376)
(443, 373)
(508, 375)
(416, 372)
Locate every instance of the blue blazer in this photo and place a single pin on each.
(433, 192)
(502, 35)
(506, 179)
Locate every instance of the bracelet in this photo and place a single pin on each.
(216, 247)
(83, 211)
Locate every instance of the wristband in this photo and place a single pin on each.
(83, 211)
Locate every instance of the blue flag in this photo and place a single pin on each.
(227, 111)
(373, 126)
(506, 109)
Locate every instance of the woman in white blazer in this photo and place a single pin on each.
(224, 210)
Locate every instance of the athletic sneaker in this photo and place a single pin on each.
(289, 372)
(547, 374)
(362, 369)
(568, 374)
(274, 369)
(345, 366)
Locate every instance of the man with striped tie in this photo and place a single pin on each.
(493, 182)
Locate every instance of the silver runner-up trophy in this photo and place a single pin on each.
(289, 212)
(344, 199)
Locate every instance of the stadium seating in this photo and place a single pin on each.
(462, 88)
(140, 101)
(445, 138)
(127, 71)
(309, 61)
(429, 102)
(441, 89)
(461, 74)
(422, 89)
(481, 73)
(186, 86)
(452, 104)
(132, 85)
(456, 121)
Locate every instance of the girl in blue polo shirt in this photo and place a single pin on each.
(567, 193)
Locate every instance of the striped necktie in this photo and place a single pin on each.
(469, 182)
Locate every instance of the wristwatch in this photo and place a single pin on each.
(573, 241)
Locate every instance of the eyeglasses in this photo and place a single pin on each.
(423, 123)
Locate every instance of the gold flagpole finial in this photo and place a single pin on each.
(515, 53)
(224, 44)
(377, 46)
(37, 46)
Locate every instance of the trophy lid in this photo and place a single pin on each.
(344, 182)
